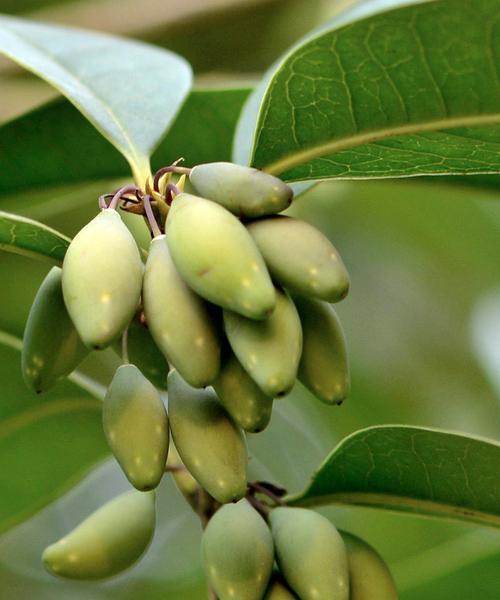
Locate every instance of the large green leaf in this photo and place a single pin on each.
(411, 469)
(412, 91)
(53, 145)
(25, 236)
(47, 443)
(128, 90)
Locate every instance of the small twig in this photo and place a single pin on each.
(170, 169)
(175, 468)
(256, 486)
(260, 507)
(156, 231)
(125, 358)
(128, 189)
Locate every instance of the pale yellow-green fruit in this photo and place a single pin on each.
(268, 350)
(135, 424)
(210, 444)
(178, 319)
(244, 191)
(102, 279)
(185, 482)
(237, 552)
(108, 541)
(52, 348)
(323, 367)
(300, 257)
(247, 404)
(278, 589)
(310, 553)
(144, 353)
(216, 256)
(369, 576)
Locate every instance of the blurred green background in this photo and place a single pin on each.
(422, 323)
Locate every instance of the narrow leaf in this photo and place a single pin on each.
(411, 91)
(47, 443)
(31, 238)
(411, 469)
(128, 90)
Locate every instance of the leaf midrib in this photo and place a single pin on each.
(398, 503)
(298, 158)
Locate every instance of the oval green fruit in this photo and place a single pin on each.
(369, 576)
(323, 367)
(300, 257)
(237, 552)
(247, 404)
(178, 319)
(244, 191)
(102, 279)
(209, 443)
(52, 348)
(108, 541)
(268, 350)
(184, 481)
(217, 257)
(310, 553)
(135, 424)
(144, 353)
(278, 589)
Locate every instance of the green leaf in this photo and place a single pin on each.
(128, 90)
(25, 236)
(47, 443)
(412, 91)
(411, 469)
(54, 145)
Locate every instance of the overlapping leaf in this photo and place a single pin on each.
(411, 469)
(411, 91)
(128, 90)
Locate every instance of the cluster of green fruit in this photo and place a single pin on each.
(274, 278)
(314, 561)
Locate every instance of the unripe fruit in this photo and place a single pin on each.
(268, 350)
(323, 367)
(244, 191)
(102, 279)
(144, 353)
(237, 552)
(211, 446)
(310, 554)
(136, 427)
(51, 346)
(185, 482)
(369, 576)
(217, 258)
(178, 319)
(300, 257)
(247, 404)
(278, 590)
(107, 542)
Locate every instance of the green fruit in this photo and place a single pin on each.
(301, 258)
(268, 350)
(323, 367)
(310, 554)
(237, 552)
(136, 427)
(107, 542)
(178, 319)
(217, 258)
(51, 346)
(247, 404)
(211, 446)
(278, 590)
(185, 482)
(244, 191)
(102, 279)
(144, 353)
(370, 578)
